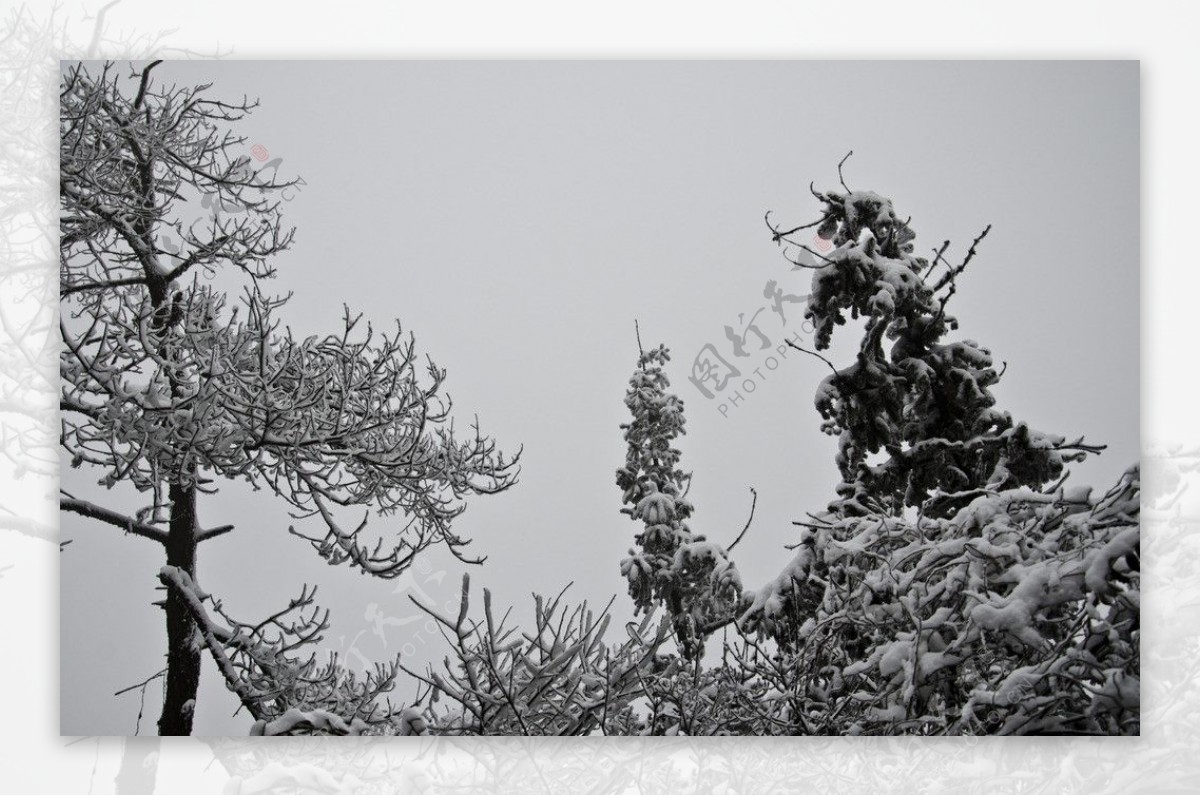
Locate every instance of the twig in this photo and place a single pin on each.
(209, 533)
(949, 277)
(750, 519)
(815, 354)
(137, 727)
(777, 235)
(840, 162)
(142, 684)
(799, 264)
(937, 258)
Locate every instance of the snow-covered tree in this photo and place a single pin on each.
(559, 678)
(286, 689)
(694, 579)
(956, 585)
(170, 390)
(915, 416)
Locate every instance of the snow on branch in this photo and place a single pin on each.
(162, 383)
(956, 585)
(921, 402)
(130, 167)
(694, 579)
(88, 509)
(167, 389)
(328, 423)
(1018, 614)
(559, 678)
(284, 690)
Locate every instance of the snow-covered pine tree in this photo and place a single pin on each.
(691, 577)
(923, 403)
(955, 585)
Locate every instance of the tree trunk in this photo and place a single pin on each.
(183, 647)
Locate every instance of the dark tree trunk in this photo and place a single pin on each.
(183, 648)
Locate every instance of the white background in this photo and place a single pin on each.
(1155, 33)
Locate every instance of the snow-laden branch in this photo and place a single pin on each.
(128, 524)
(285, 691)
(694, 579)
(559, 678)
(328, 423)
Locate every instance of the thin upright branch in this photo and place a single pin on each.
(839, 168)
(750, 519)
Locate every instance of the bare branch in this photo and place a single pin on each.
(816, 354)
(840, 162)
(750, 519)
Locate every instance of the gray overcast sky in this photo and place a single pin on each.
(519, 216)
